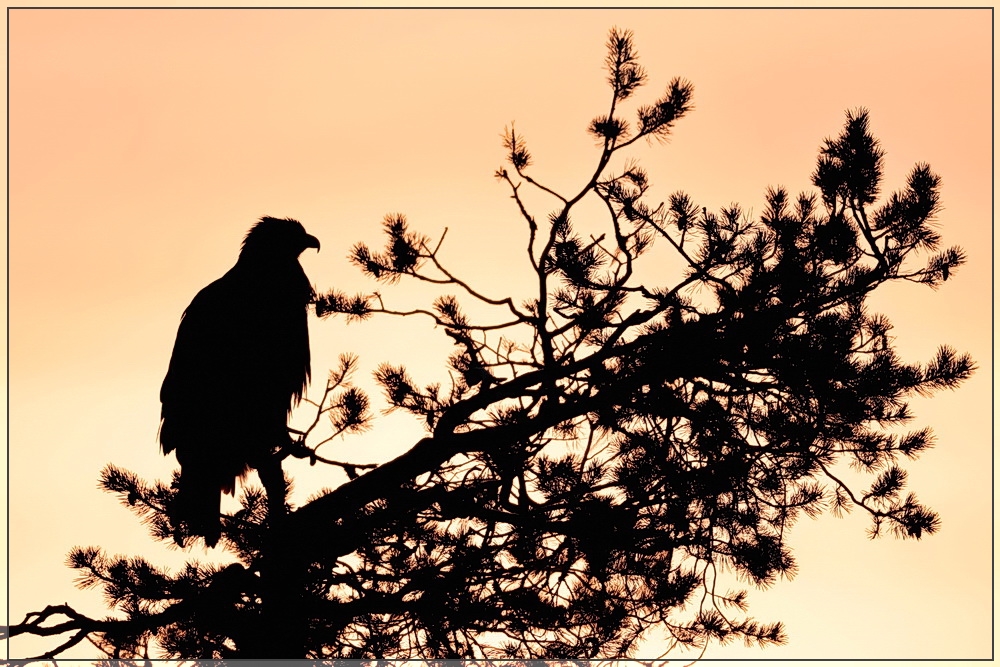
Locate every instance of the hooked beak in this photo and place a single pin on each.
(312, 242)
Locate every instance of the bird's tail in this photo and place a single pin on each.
(199, 502)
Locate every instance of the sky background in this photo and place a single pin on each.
(144, 143)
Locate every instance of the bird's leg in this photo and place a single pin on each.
(273, 478)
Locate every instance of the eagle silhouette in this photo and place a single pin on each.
(239, 364)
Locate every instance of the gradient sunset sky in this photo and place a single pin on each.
(144, 143)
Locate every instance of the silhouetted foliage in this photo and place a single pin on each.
(602, 449)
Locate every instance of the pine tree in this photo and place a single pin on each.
(600, 449)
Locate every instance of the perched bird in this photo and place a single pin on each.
(239, 364)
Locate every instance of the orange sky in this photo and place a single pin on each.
(143, 144)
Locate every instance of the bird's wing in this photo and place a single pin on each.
(204, 363)
(240, 360)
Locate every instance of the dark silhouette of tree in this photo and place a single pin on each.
(601, 449)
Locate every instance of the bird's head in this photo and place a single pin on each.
(278, 238)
